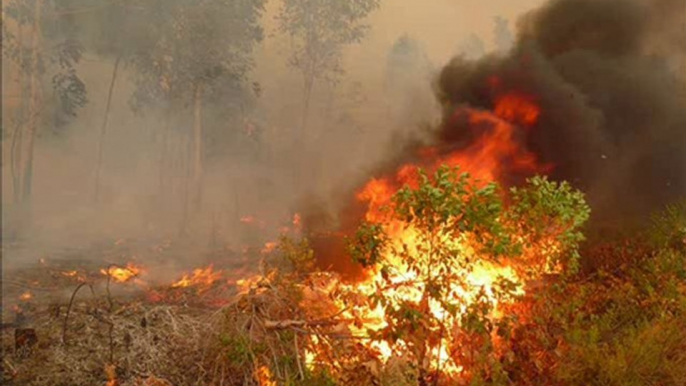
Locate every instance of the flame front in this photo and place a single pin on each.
(494, 153)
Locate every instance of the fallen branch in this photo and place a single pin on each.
(289, 323)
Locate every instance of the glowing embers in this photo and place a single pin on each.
(264, 377)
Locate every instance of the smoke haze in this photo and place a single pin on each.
(255, 167)
(604, 72)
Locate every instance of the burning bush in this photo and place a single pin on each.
(442, 259)
(446, 254)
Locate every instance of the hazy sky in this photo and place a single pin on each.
(441, 25)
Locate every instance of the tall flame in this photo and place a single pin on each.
(496, 151)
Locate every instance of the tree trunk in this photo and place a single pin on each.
(15, 159)
(20, 117)
(193, 181)
(300, 144)
(197, 146)
(33, 118)
(186, 159)
(103, 129)
(309, 85)
(163, 154)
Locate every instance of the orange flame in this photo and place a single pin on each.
(26, 296)
(269, 247)
(264, 377)
(495, 152)
(122, 274)
(202, 277)
(111, 373)
(517, 108)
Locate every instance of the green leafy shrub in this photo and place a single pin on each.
(619, 321)
(668, 227)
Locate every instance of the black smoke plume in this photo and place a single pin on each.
(608, 76)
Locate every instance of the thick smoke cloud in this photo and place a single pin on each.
(605, 74)
(613, 118)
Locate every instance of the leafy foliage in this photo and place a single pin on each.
(551, 213)
(668, 227)
(197, 42)
(58, 50)
(320, 28)
(611, 327)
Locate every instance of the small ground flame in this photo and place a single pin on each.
(111, 373)
(264, 377)
(26, 296)
(122, 274)
(201, 277)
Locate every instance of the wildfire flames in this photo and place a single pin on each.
(264, 376)
(495, 151)
(121, 274)
(26, 296)
(201, 277)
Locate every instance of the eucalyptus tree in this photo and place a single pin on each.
(44, 45)
(472, 47)
(406, 60)
(196, 55)
(319, 30)
(504, 40)
(117, 31)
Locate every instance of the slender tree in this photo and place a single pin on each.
(199, 54)
(116, 29)
(319, 30)
(405, 58)
(502, 34)
(52, 52)
(472, 47)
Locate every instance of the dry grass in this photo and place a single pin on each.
(144, 340)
